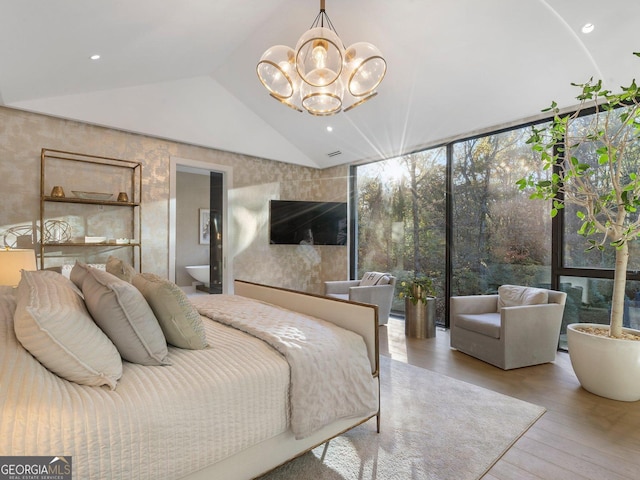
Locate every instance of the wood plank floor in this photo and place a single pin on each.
(581, 436)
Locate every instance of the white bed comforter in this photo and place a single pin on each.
(160, 423)
(330, 371)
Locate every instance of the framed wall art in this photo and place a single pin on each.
(205, 226)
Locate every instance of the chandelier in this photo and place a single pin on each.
(321, 76)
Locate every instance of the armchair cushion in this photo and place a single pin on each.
(515, 295)
(483, 323)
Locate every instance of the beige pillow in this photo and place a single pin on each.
(120, 269)
(514, 295)
(53, 324)
(77, 274)
(178, 318)
(123, 314)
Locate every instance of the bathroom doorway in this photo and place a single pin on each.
(198, 219)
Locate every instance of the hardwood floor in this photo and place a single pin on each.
(581, 436)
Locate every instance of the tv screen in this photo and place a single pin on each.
(307, 223)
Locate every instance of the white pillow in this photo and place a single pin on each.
(53, 324)
(514, 295)
(123, 314)
(180, 321)
(374, 278)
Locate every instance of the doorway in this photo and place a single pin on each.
(198, 220)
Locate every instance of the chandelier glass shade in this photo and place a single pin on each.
(320, 75)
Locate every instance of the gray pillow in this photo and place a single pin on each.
(77, 274)
(123, 314)
(53, 324)
(120, 269)
(179, 319)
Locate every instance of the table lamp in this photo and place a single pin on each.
(12, 260)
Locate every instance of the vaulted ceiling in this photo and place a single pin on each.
(186, 69)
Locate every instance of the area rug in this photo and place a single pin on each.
(433, 427)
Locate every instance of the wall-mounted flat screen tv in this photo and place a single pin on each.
(307, 223)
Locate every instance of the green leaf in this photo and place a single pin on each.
(583, 228)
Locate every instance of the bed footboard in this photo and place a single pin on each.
(358, 317)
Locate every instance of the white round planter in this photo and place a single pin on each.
(608, 367)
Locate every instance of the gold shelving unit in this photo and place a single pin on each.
(77, 204)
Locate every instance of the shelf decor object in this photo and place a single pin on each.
(92, 195)
(57, 191)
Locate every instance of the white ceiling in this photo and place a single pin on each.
(185, 69)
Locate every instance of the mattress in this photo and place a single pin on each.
(161, 422)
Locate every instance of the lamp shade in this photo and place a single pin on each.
(319, 48)
(277, 71)
(365, 68)
(322, 101)
(354, 102)
(14, 260)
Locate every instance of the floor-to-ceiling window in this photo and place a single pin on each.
(585, 271)
(498, 235)
(485, 232)
(401, 219)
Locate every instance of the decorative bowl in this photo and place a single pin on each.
(92, 195)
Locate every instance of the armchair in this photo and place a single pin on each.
(518, 327)
(374, 288)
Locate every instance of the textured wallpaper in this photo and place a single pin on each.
(255, 182)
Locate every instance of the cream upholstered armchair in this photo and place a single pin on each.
(518, 327)
(375, 288)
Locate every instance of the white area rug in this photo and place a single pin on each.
(433, 427)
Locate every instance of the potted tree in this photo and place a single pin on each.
(595, 167)
(419, 296)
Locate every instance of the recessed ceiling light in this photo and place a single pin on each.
(94, 57)
(588, 28)
(329, 129)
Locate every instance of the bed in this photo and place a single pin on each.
(224, 411)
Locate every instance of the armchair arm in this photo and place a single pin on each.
(474, 304)
(380, 295)
(531, 316)
(340, 286)
(371, 293)
(530, 333)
